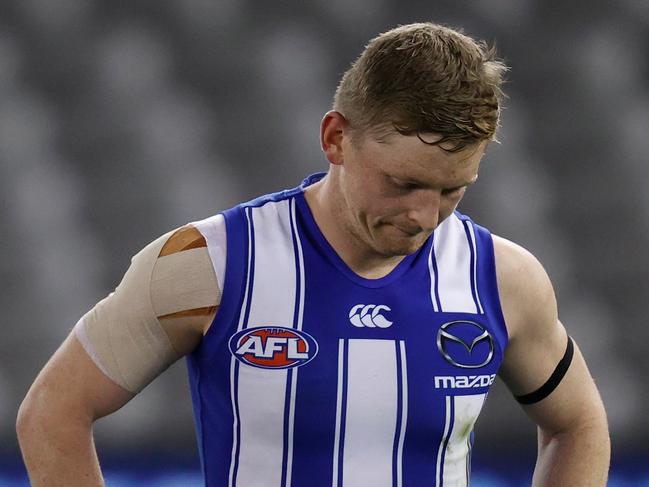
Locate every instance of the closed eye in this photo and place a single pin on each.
(452, 191)
(404, 185)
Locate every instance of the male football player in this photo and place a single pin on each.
(344, 332)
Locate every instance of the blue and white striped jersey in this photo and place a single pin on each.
(313, 376)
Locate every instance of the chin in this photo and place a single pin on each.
(410, 249)
(402, 246)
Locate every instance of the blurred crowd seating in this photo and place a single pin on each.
(122, 120)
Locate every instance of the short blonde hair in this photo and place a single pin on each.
(424, 78)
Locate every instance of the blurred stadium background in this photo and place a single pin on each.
(120, 121)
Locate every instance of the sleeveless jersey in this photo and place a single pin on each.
(312, 376)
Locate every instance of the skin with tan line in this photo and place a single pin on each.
(54, 422)
(380, 201)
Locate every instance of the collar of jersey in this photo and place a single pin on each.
(314, 232)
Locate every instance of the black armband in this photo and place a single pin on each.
(556, 377)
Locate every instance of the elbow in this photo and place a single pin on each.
(589, 429)
(27, 418)
(45, 410)
(594, 424)
(39, 414)
(23, 418)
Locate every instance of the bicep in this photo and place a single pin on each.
(557, 384)
(72, 385)
(531, 358)
(574, 401)
(534, 356)
(536, 336)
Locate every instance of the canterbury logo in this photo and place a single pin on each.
(369, 315)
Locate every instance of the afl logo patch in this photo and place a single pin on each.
(273, 347)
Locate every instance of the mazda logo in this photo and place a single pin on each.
(465, 344)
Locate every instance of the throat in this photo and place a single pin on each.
(374, 268)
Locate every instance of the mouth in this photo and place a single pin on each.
(411, 232)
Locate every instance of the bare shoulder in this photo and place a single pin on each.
(526, 293)
(537, 339)
(185, 238)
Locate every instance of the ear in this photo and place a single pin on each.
(332, 130)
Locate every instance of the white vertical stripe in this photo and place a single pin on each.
(371, 413)
(433, 275)
(440, 450)
(404, 412)
(235, 423)
(454, 267)
(274, 264)
(339, 410)
(291, 425)
(475, 266)
(467, 409)
(262, 426)
(214, 231)
(298, 325)
(261, 444)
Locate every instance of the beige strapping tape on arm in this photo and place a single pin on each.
(194, 287)
(122, 333)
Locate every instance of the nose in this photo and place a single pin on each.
(424, 210)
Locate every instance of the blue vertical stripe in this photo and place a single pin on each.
(316, 397)
(343, 413)
(251, 277)
(451, 413)
(433, 261)
(237, 437)
(397, 430)
(292, 373)
(287, 410)
(469, 442)
(251, 269)
(296, 252)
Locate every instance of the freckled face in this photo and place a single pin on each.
(398, 190)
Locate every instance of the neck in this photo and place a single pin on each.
(331, 215)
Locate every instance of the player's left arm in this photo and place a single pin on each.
(549, 376)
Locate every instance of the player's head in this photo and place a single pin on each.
(410, 123)
(423, 78)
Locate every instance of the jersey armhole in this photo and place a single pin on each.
(488, 280)
(227, 242)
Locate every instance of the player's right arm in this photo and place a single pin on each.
(55, 419)
(158, 313)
